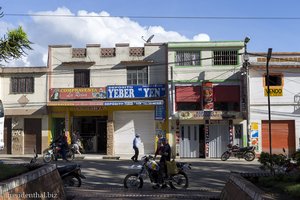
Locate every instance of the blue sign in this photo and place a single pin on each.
(160, 112)
(135, 91)
(133, 103)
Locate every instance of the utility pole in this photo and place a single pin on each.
(269, 106)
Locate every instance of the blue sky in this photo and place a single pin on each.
(280, 34)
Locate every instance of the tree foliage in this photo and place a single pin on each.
(13, 44)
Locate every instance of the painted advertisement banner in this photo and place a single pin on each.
(274, 91)
(77, 93)
(254, 135)
(135, 91)
(207, 90)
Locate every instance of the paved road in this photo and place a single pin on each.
(105, 179)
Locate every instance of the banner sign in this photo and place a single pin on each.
(208, 103)
(133, 103)
(160, 112)
(135, 91)
(77, 93)
(274, 91)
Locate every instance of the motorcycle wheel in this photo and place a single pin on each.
(133, 181)
(249, 156)
(179, 181)
(225, 156)
(47, 157)
(70, 155)
(72, 181)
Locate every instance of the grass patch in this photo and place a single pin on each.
(280, 186)
(9, 171)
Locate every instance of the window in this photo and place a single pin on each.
(188, 106)
(275, 80)
(225, 58)
(137, 75)
(227, 106)
(82, 78)
(187, 58)
(22, 85)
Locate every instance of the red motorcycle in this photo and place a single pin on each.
(239, 152)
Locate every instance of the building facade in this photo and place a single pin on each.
(206, 97)
(108, 95)
(24, 98)
(284, 73)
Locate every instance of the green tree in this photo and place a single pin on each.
(13, 44)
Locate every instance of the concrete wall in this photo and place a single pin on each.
(41, 183)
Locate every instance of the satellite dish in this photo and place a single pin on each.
(149, 39)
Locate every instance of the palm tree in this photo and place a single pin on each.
(13, 44)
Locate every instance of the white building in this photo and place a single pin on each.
(24, 97)
(284, 73)
(108, 95)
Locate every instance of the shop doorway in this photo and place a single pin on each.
(32, 135)
(93, 132)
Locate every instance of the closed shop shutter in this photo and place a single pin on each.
(283, 136)
(218, 140)
(127, 123)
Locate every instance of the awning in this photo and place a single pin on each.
(226, 93)
(188, 93)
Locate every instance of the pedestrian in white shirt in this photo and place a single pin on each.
(136, 144)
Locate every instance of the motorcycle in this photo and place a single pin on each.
(286, 164)
(239, 152)
(150, 168)
(71, 175)
(53, 152)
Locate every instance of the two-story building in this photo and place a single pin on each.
(206, 97)
(24, 97)
(108, 95)
(284, 74)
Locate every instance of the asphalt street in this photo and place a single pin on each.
(104, 179)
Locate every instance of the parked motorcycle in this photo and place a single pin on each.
(150, 168)
(239, 152)
(286, 164)
(71, 175)
(54, 152)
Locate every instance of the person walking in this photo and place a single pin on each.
(136, 145)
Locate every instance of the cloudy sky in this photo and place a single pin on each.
(269, 24)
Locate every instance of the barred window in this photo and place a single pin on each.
(22, 85)
(187, 58)
(225, 57)
(137, 75)
(81, 78)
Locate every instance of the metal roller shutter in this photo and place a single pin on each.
(283, 136)
(127, 123)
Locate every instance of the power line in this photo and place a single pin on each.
(157, 17)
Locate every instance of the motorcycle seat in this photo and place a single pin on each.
(66, 168)
(245, 149)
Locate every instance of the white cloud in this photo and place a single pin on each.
(79, 31)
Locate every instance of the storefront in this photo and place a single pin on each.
(205, 134)
(108, 124)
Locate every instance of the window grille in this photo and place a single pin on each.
(81, 78)
(137, 75)
(225, 58)
(22, 85)
(187, 58)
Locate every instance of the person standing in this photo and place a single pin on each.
(136, 145)
(159, 145)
